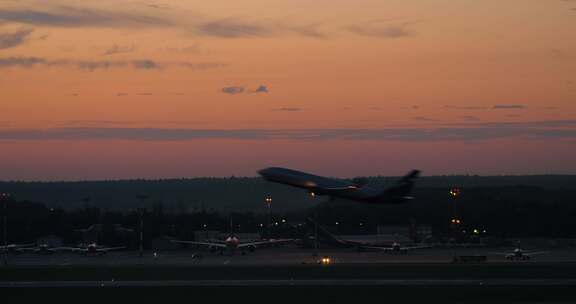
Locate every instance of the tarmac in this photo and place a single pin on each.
(283, 256)
(295, 272)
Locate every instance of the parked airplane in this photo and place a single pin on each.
(43, 249)
(232, 243)
(519, 254)
(395, 247)
(338, 188)
(91, 249)
(15, 248)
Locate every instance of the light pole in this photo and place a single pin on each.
(141, 235)
(455, 222)
(268, 201)
(141, 211)
(4, 198)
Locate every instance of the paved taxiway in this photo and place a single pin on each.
(279, 256)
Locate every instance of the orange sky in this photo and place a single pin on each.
(481, 75)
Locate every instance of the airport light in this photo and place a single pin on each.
(455, 221)
(455, 192)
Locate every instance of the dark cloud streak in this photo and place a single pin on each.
(93, 65)
(13, 39)
(477, 133)
(67, 16)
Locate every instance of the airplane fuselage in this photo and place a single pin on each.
(319, 185)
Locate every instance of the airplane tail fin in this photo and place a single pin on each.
(325, 233)
(401, 190)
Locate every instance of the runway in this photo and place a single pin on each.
(294, 274)
(280, 256)
(296, 283)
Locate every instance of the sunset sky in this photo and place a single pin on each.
(114, 89)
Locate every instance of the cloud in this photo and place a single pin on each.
(508, 106)
(93, 65)
(144, 16)
(562, 55)
(232, 28)
(159, 6)
(288, 109)
(116, 49)
(310, 31)
(13, 39)
(236, 28)
(262, 89)
(194, 48)
(201, 66)
(565, 123)
(542, 130)
(382, 29)
(465, 107)
(423, 118)
(67, 16)
(233, 90)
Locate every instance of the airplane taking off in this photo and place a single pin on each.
(232, 243)
(338, 188)
(395, 247)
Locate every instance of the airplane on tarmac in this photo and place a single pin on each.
(232, 243)
(43, 249)
(519, 254)
(357, 190)
(91, 249)
(395, 247)
(15, 248)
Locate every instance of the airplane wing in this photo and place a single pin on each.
(385, 249)
(535, 253)
(73, 249)
(415, 247)
(334, 188)
(219, 245)
(25, 249)
(266, 242)
(19, 246)
(110, 249)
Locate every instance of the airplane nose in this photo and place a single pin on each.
(264, 172)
